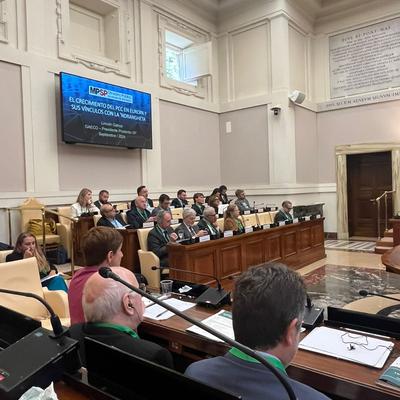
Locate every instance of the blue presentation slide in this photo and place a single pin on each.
(100, 113)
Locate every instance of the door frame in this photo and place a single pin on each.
(341, 153)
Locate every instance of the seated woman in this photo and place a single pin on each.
(83, 204)
(214, 193)
(214, 201)
(26, 247)
(231, 219)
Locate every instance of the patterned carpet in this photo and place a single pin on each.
(350, 245)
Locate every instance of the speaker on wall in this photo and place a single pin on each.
(297, 97)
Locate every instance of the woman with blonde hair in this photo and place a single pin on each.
(231, 219)
(84, 204)
(26, 247)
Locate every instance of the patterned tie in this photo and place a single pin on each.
(166, 236)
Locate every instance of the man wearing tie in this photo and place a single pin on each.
(110, 218)
(187, 230)
(139, 214)
(180, 201)
(284, 213)
(209, 223)
(160, 236)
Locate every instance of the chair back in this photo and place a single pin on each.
(249, 220)
(220, 222)
(122, 206)
(124, 217)
(142, 236)
(22, 275)
(96, 219)
(177, 213)
(4, 254)
(265, 218)
(30, 209)
(272, 214)
(65, 210)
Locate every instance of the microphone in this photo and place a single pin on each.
(58, 329)
(211, 297)
(365, 293)
(106, 272)
(312, 315)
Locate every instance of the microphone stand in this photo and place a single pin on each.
(106, 272)
(365, 293)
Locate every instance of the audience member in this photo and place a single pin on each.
(187, 230)
(163, 205)
(138, 215)
(215, 192)
(83, 204)
(160, 236)
(110, 218)
(101, 247)
(180, 201)
(198, 205)
(104, 195)
(143, 191)
(214, 202)
(112, 314)
(26, 247)
(284, 213)
(241, 201)
(209, 223)
(224, 197)
(267, 322)
(232, 221)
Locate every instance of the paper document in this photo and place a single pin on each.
(221, 322)
(48, 277)
(350, 346)
(160, 313)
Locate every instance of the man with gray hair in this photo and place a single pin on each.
(284, 213)
(209, 223)
(187, 230)
(160, 236)
(112, 314)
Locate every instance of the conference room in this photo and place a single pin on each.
(260, 107)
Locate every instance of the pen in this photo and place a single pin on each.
(159, 315)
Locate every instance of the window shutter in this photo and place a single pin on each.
(197, 61)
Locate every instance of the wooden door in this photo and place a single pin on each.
(368, 176)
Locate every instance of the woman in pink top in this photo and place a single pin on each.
(101, 247)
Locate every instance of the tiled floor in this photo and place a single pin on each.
(351, 245)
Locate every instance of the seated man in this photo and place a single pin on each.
(101, 246)
(104, 195)
(187, 230)
(180, 201)
(241, 201)
(163, 205)
(110, 218)
(143, 191)
(284, 213)
(209, 223)
(139, 214)
(198, 205)
(160, 236)
(267, 322)
(113, 313)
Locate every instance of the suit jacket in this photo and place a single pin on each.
(123, 341)
(243, 205)
(157, 243)
(199, 209)
(282, 216)
(98, 204)
(149, 202)
(157, 210)
(186, 232)
(105, 222)
(135, 219)
(202, 225)
(177, 203)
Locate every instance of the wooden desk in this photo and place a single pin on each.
(296, 245)
(79, 228)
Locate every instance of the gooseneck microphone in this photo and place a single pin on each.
(212, 297)
(106, 272)
(58, 329)
(365, 293)
(312, 315)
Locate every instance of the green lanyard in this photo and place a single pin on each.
(140, 213)
(121, 328)
(272, 360)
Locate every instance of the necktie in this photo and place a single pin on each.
(166, 236)
(193, 233)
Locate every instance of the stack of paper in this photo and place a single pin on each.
(160, 313)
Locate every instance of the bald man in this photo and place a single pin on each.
(112, 314)
(138, 215)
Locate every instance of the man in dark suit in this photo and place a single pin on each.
(163, 205)
(143, 191)
(160, 236)
(112, 314)
(187, 230)
(180, 201)
(104, 195)
(269, 322)
(139, 214)
(198, 205)
(110, 218)
(241, 201)
(209, 223)
(284, 213)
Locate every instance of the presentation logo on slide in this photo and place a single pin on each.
(110, 94)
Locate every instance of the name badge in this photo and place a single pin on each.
(174, 221)
(307, 218)
(260, 210)
(148, 224)
(247, 212)
(281, 223)
(295, 220)
(228, 233)
(266, 226)
(248, 229)
(204, 238)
